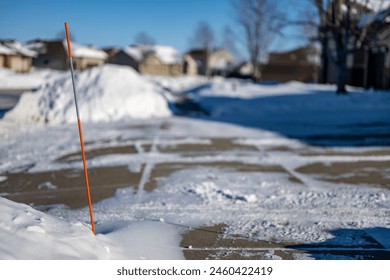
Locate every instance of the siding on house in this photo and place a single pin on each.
(300, 64)
(368, 66)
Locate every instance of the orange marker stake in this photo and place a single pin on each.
(80, 132)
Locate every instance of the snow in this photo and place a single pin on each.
(37, 46)
(166, 54)
(205, 189)
(30, 234)
(79, 50)
(134, 52)
(25, 81)
(375, 5)
(6, 50)
(105, 93)
(21, 49)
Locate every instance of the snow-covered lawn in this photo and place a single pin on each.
(235, 168)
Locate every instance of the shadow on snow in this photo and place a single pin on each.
(366, 244)
(320, 118)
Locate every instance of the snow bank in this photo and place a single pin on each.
(16, 81)
(30, 234)
(105, 93)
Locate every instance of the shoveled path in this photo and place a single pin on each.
(45, 189)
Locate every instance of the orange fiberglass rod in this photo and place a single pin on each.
(80, 132)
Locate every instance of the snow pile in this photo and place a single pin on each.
(105, 93)
(30, 234)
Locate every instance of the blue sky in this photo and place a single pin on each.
(117, 22)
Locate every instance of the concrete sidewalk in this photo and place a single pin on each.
(52, 188)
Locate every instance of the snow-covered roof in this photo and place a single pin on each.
(15, 47)
(79, 50)
(167, 54)
(6, 50)
(38, 47)
(133, 51)
(18, 47)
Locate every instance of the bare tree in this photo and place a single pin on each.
(143, 38)
(204, 38)
(229, 39)
(260, 20)
(341, 27)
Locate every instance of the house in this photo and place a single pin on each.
(368, 63)
(15, 56)
(148, 59)
(190, 66)
(300, 64)
(217, 61)
(162, 61)
(54, 55)
(130, 56)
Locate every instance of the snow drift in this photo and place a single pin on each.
(105, 93)
(29, 234)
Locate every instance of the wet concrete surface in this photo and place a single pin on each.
(66, 186)
(373, 173)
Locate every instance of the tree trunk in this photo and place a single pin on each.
(341, 82)
(256, 70)
(342, 73)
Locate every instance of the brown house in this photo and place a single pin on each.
(15, 56)
(368, 66)
(300, 64)
(53, 54)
